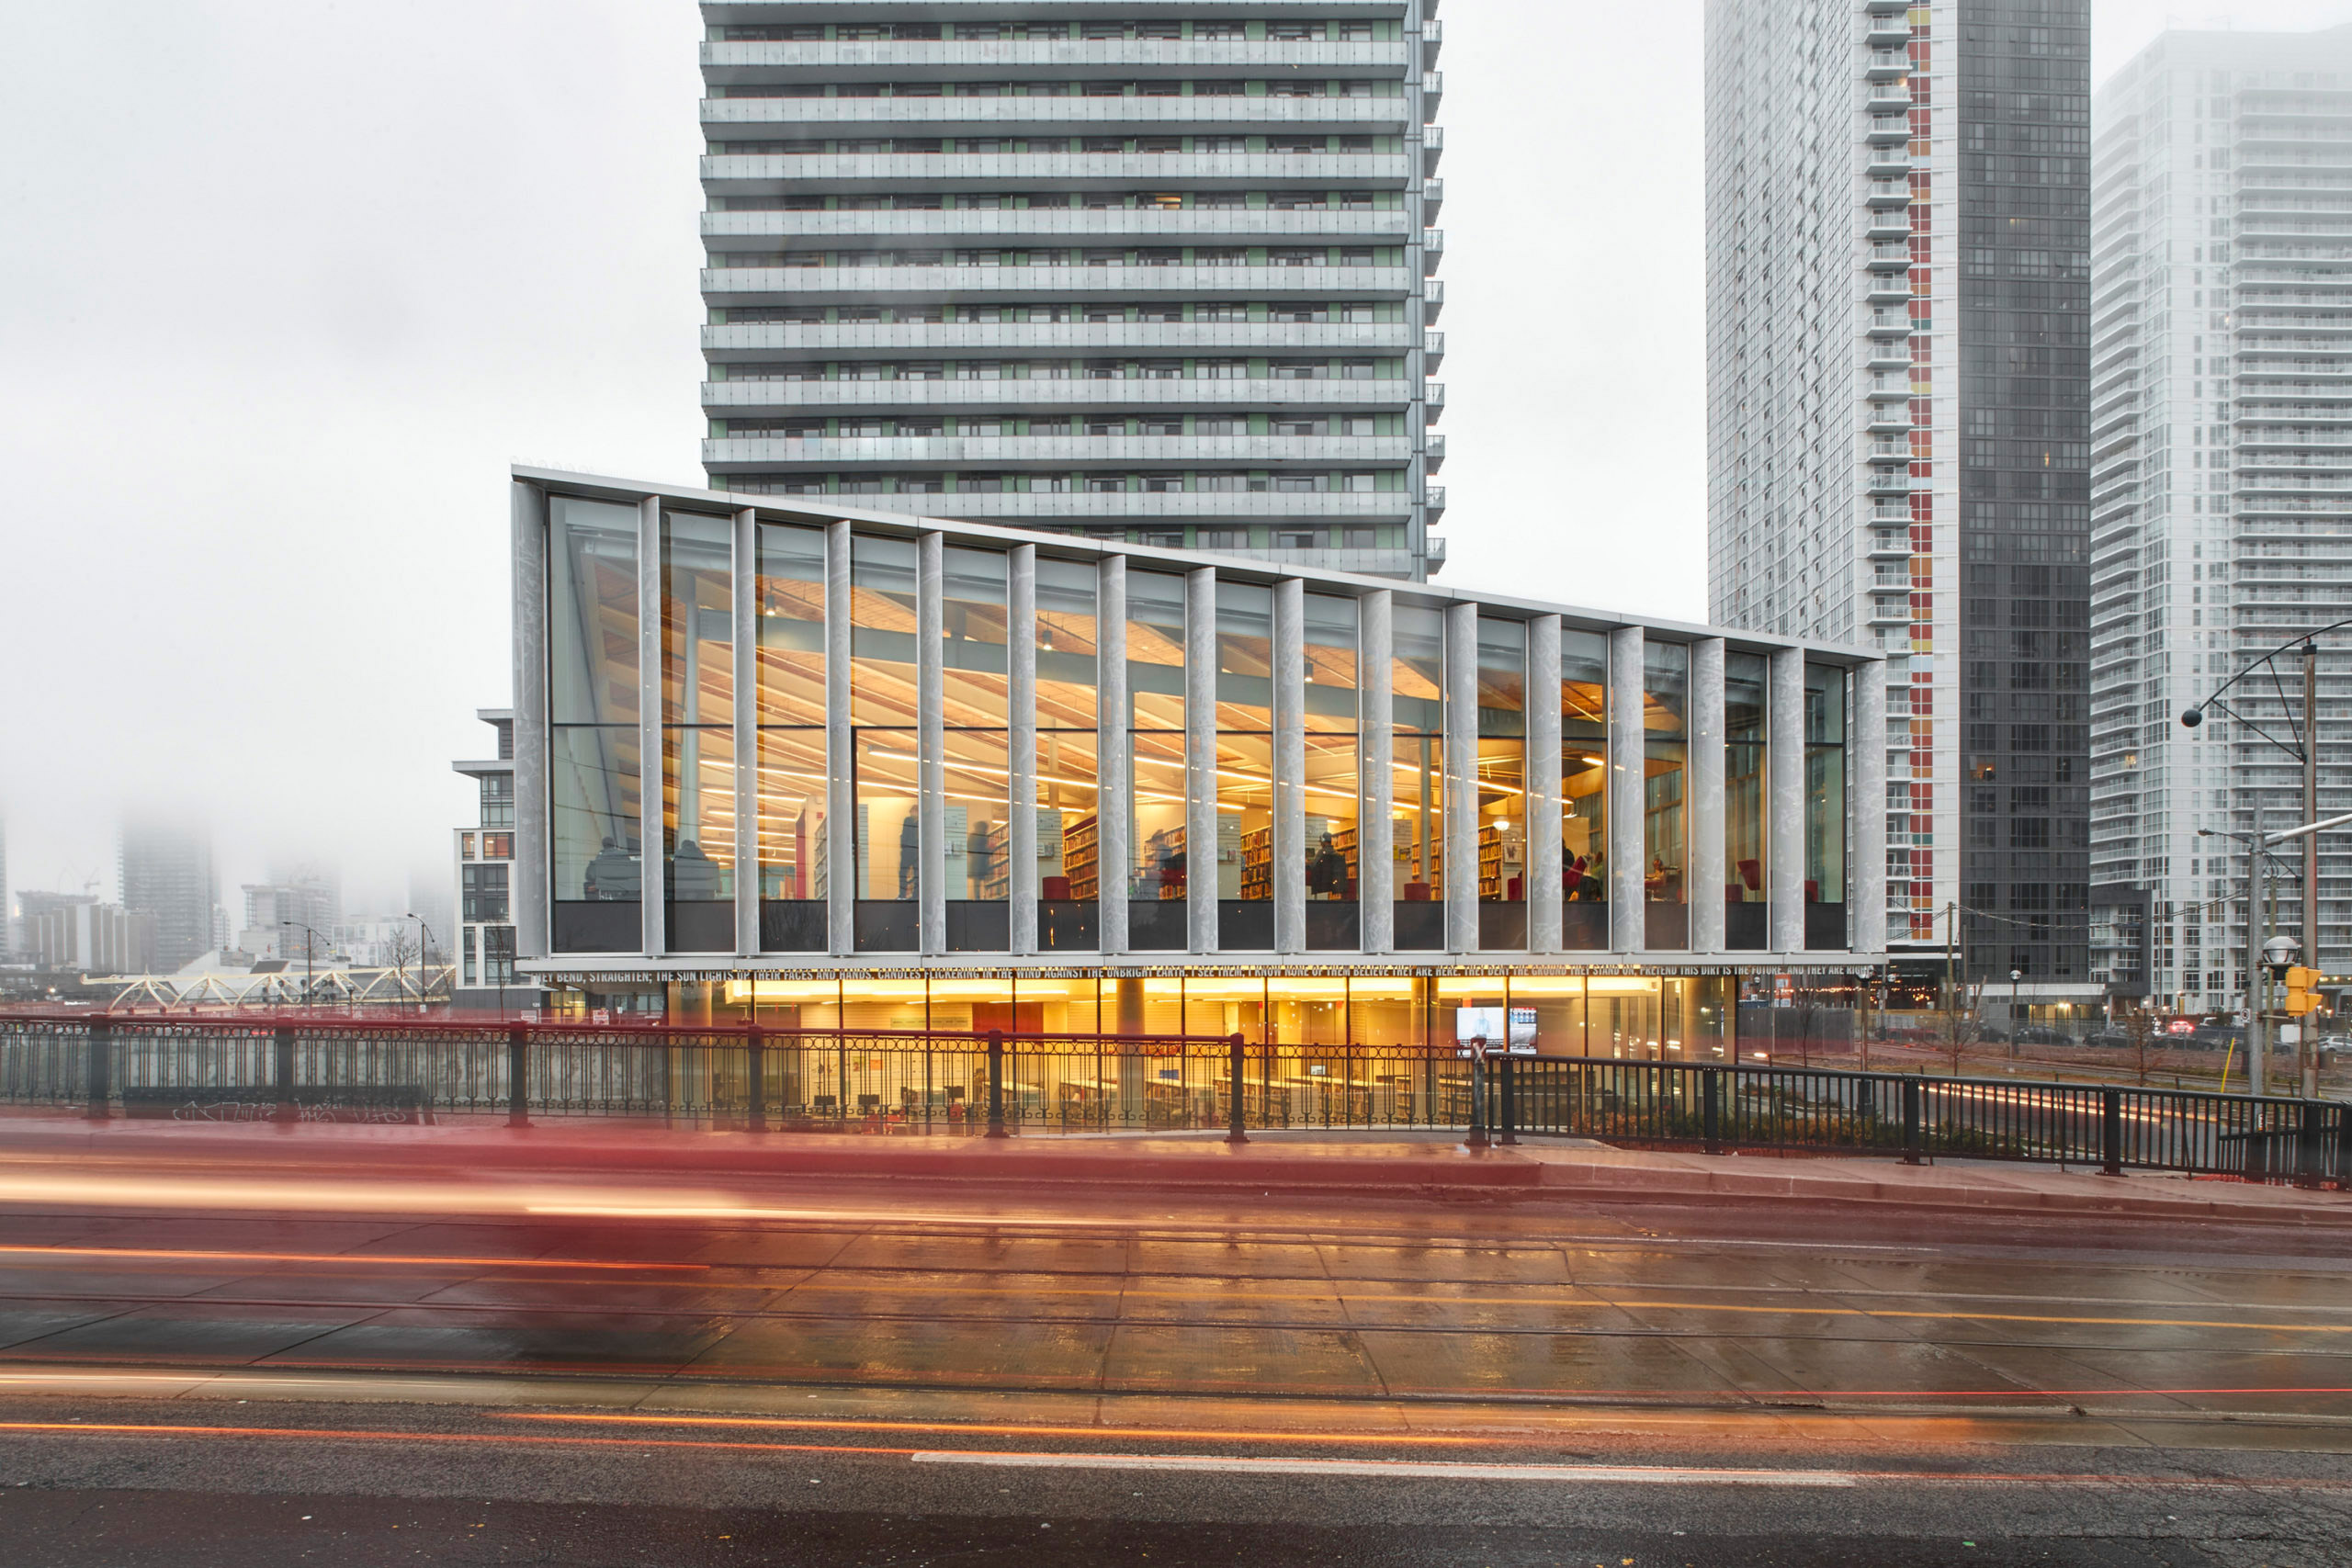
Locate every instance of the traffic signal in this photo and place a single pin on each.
(2300, 995)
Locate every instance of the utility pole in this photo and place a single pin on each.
(2257, 1048)
(2306, 1048)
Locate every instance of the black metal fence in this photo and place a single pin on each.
(310, 1068)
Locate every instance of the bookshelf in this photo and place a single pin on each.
(1502, 859)
(1082, 860)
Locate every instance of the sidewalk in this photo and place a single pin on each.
(1405, 1165)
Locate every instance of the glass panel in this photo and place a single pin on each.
(1416, 674)
(592, 789)
(1557, 1002)
(1245, 750)
(888, 850)
(1824, 784)
(1584, 787)
(1067, 645)
(698, 813)
(1156, 721)
(1747, 683)
(978, 864)
(1502, 771)
(698, 620)
(1332, 779)
(972, 621)
(792, 814)
(882, 631)
(791, 590)
(592, 613)
(1665, 692)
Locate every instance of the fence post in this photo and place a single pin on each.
(1712, 1107)
(1478, 1138)
(2308, 1138)
(756, 1047)
(1912, 1142)
(2343, 1148)
(2111, 1131)
(99, 1069)
(996, 1083)
(1233, 1118)
(284, 1073)
(1510, 1098)
(518, 1076)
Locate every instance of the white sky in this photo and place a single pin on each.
(284, 287)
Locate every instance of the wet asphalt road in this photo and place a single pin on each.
(2050, 1391)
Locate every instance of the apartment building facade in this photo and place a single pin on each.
(167, 872)
(1898, 219)
(2223, 492)
(483, 853)
(1162, 275)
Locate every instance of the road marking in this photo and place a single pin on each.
(1392, 1470)
(1175, 1434)
(426, 1259)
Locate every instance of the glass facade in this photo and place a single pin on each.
(595, 779)
(1502, 784)
(1158, 865)
(1331, 786)
(1417, 693)
(1069, 869)
(920, 765)
(1666, 809)
(1746, 692)
(1584, 789)
(790, 601)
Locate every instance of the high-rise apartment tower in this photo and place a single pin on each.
(1158, 274)
(167, 872)
(1897, 363)
(2223, 499)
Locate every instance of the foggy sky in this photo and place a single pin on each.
(285, 286)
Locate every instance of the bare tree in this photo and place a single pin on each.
(2139, 1028)
(1963, 1020)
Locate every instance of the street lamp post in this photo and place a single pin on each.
(2015, 976)
(2261, 954)
(309, 964)
(424, 942)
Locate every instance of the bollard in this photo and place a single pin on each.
(1233, 1119)
(2111, 1131)
(1711, 1107)
(1911, 1139)
(100, 1070)
(756, 1047)
(286, 1111)
(518, 1076)
(996, 1084)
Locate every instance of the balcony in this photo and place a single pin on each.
(726, 286)
(744, 174)
(1432, 93)
(1433, 501)
(762, 341)
(1432, 452)
(1140, 507)
(978, 59)
(1433, 351)
(1890, 354)
(743, 454)
(1432, 200)
(1886, 512)
(1432, 148)
(1433, 300)
(1889, 613)
(1886, 126)
(1890, 418)
(1891, 257)
(1432, 38)
(1433, 396)
(1889, 162)
(1890, 323)
(1888, 451)
(1432, 251)
(722, 399)
(1434, 553)
(1889, 193)
(1061, 226)
(772, 118)
(1885, 546)
(1888, 32)
(1888, 481)
(1887, 66)
(1888, 226)
(1888, 97)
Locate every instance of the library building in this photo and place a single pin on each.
(828, 768)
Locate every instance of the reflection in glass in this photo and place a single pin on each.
(1666, 706)
(1824, 784)
(790, 598)
(1584, 787)
(595, 749)
(1416, 674)
(1156, 725)
(1068, 870)
(698, 733)
(1245, 748)
(1745, 686)
(592, 613)
(1502, 781)
(888, 851)
(1331, 784)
